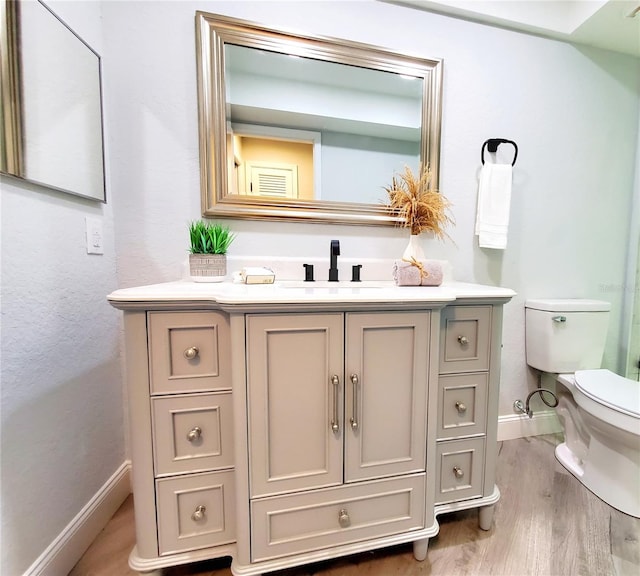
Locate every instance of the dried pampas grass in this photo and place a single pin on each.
(423, 209)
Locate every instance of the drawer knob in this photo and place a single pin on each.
(194, 434)
(463, 340)
(462, 408)
(343, 518)
(191, 353)
(198, 513)
(458, 472)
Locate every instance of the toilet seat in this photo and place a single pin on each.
(611, 390)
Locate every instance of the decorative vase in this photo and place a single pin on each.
(414, 249)
(207, 267)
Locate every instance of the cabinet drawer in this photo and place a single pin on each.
(462, 401)
(192, 433)
(308, 521)
(195, 511)
(465, 338)
(460, 469)
(189, 351)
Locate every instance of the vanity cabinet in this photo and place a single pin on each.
(335, 400)
(282, 434)
(466, 445)
(180, 399)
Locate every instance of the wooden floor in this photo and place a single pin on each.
(546, 523)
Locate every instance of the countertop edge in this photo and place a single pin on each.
(230, 296)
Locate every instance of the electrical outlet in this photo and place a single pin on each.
(94, 236)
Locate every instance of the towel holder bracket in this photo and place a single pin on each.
(492, 146)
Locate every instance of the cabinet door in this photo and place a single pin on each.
(462, 404)
(189, 352)
(294, 371)
(195, 511)
(192, 433)
(459, 469)
(465, 339)
(307, 521)
(386, 394)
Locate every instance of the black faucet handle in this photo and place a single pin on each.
(355, 273)
(333, 260)
(308, 272)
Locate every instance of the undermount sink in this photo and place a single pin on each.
(326, 285)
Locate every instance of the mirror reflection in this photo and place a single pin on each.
(308, 128)
(365, 122)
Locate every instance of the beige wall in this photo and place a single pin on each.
(281, 151)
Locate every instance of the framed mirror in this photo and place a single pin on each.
(309, 128)
(51, 129)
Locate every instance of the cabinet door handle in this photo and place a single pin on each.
(191, 353)
(194, 434)
(354, 407)
(461, 408)
(343, 518)
(463, 340)
(459, 473)
(335, 422)
(198, 513)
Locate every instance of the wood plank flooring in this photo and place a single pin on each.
(546, 524)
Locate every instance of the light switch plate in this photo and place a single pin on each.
(94, 236)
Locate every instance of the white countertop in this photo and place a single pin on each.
(295, 292)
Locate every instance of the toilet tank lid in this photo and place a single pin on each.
(568, 305)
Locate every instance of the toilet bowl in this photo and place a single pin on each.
(599, 410)
(600, 414)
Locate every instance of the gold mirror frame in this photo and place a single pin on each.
(212, 33)
(11, 161)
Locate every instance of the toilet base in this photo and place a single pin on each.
(613, 477)
(569, 460)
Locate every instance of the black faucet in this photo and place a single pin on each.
(333, 256)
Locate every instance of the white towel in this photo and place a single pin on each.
(494, 201)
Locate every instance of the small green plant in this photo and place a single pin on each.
(209, 238)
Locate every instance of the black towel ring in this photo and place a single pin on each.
(492, 145)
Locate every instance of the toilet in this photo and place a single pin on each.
(599, 410)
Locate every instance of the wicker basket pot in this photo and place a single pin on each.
(208, 267)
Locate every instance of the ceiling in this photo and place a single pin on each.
(610, 24)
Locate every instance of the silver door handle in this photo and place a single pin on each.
(559, 318)
(194, 434)
(198, 513)
(191, 353)
(354, 407)
(335, 422)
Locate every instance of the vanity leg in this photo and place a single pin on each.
(420, 549)
(485, 516)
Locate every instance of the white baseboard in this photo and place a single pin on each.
(520, 425)
(69, 546)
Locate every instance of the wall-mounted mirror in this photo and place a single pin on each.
(51, 112)
(308, 128)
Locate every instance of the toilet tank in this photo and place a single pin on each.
(563, 336)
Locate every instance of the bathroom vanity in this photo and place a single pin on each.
(284, 424)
